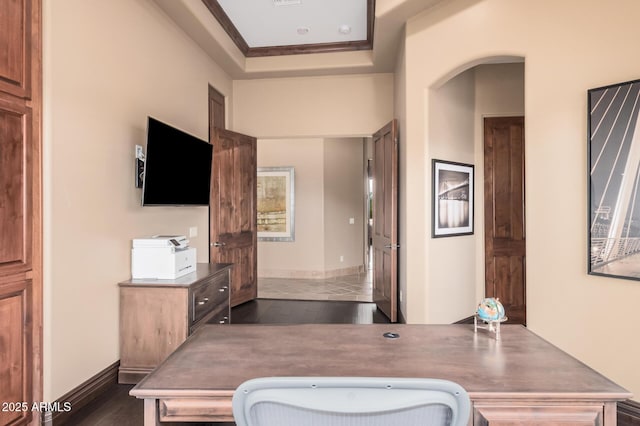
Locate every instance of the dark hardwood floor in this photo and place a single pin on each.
(117, 407)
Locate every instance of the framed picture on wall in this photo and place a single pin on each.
(276, 214)
(452, 199)
(613, 152)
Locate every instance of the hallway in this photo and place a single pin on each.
(351, 288)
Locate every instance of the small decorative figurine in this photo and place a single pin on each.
(491, 311)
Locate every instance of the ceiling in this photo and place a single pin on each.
(284, 27)
(260, 39)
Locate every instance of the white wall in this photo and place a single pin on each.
(305, 255)
(564, 57)
(107, 65)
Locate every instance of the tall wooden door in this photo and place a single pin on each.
(20, 211)
(385, 220)
(505, 215)
(233, 211)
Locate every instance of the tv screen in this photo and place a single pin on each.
(177, 168)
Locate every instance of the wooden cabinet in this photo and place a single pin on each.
(20, 210)
(156, 316)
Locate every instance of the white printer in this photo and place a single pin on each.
(162, 257)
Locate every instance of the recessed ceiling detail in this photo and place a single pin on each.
(286, 2)
(273, 27)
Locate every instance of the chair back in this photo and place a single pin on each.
(350, 401)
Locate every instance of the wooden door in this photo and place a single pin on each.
(504, 214)
(20, 211)
(216, 110)
(233, 211)
(385, 220)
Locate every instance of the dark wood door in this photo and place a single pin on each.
(385, 220)
(216, 110)
(20, 211)
(233, 211)
(504, 214)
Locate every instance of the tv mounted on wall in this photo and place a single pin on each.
(177, 170)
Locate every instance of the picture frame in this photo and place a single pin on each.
(276, 203)
(613, 176)
(453, 199)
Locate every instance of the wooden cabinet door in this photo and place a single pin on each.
(15, 352)
(15, 45)
(15, 188)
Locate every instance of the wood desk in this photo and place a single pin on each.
(521, 379)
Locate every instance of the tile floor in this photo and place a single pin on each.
(353, 288)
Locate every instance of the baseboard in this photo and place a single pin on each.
(333, 273)
(401, 318)
(467, 320)
(628, 413)
(86, 392)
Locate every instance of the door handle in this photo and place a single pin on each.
(392, 246)
(218, 244)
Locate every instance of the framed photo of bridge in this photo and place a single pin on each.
(276, 203)
(613, 152)
(452, 199)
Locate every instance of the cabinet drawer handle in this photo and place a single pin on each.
(223, 321)
(203, 301)
(223, 289)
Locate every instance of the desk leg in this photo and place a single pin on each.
(151, 412)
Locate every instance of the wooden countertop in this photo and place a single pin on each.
(203, 270)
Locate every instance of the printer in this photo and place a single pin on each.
(162, 257)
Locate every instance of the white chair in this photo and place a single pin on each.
(350, 401)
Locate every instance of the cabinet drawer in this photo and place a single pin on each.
(536, 415)
(211, 293)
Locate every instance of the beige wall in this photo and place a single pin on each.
(107, 66)
(329, 189)
(564, 57)
(343, 199)
(451, 266)
(306, 254)
(406, 182)
(332, 106)
(457, 109)
(499, 92)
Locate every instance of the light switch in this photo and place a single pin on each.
(351, 221)
(193, 231)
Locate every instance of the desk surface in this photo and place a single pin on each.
(216, 359)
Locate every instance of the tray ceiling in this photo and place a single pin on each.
(285, 27)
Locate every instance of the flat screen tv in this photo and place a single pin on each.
(177, 169)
